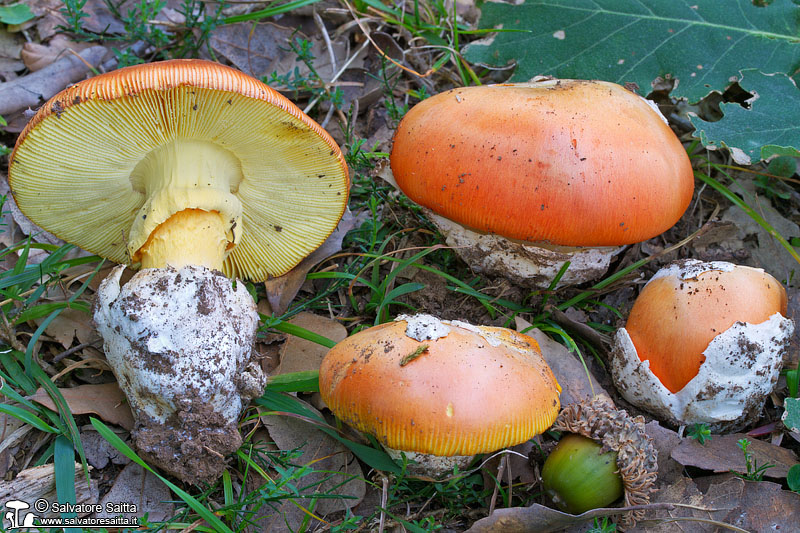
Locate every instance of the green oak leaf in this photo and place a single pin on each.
(768, 127)
(15, 14)
(701, 43)
(791, 417)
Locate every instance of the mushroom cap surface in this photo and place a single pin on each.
(687, 304)
(463, 389)
(83, 167)
(565, 162)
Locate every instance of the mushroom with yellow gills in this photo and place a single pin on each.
(196, 173)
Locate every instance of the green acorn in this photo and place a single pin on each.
(578, 476)
(605, 454)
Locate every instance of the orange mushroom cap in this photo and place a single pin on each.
(474, 390)
(679, 312)
(566, 162)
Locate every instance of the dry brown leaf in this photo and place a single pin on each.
(100, 19)
(765, 251)
(282, 290)
(722, 454)
(568, 370)
(299, 354)
(71, 323)
(10, 48)
(36, 56)
(258, 49)
(665, 440)
(106, 401)
(261, 49)
(749, 506)
(137, 486)
(342, 473)
(540, 519)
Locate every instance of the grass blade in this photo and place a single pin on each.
(306, 381)
(27, 417)
(64, 459)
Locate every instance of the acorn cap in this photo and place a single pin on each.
(105, 162)
(425, 385)
(617, 431)
(565, 162)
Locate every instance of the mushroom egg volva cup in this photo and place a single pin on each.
(704, 344)
(440, 391)
(195, 173)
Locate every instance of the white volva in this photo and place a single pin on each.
(740, 370)
(180, 335)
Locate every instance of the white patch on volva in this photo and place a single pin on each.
(424, 327)
(741, 369)
(692, 268)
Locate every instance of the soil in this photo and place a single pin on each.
(192, 445)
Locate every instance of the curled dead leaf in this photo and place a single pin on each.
(722, 454)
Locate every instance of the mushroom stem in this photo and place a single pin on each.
(180, 342)
(189, 237)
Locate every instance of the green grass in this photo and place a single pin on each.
(368, 287)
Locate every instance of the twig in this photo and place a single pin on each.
(510, 479)
(366, 33)
(325, 37)
(500, 468)
(85, 362)
(384, 499)
(717, 523)
(74, 349)
(335, 77)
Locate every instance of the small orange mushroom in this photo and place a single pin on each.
(703, 343)
(440, 388)
(674, 319)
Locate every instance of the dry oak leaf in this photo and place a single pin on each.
(71, 323)
(749, 506)
(722, 454)
(576, 383)
(299, 354)
(106, 401)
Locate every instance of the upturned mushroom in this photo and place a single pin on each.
(704, 343)
(195, 173)
(440, 391)
(522, 178)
